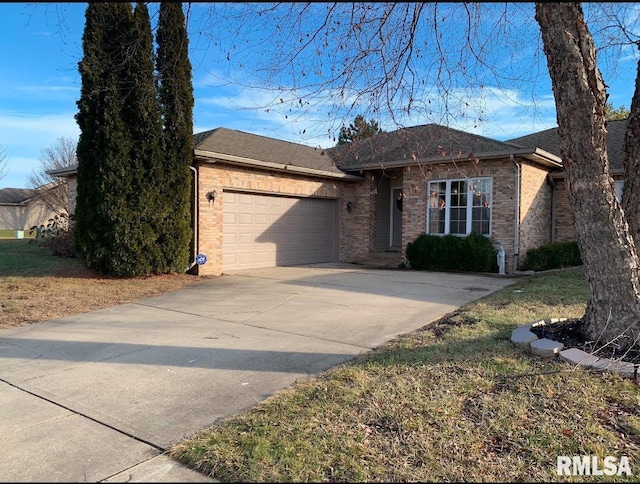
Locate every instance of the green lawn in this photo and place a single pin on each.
(453, 402)
(11, 234)
(24, 257)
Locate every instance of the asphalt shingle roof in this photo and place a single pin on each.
(549, 141)
(17, 195)
(256, 147)
(425, 143)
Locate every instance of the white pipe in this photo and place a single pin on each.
(516, 235)
(195, 217)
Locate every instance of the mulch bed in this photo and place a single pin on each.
(569, 333)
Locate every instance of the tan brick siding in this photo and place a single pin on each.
(357, 228)
(535, 208)
(72, 193)
(563, 217)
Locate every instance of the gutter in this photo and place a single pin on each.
(195, 217)
(65, 171)
(208, 155)
(516, 235)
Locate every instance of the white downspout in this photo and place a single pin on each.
(195, 217)
(516, 235)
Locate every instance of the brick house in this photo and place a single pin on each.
(263, 202)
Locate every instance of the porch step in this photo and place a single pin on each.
(386, 259)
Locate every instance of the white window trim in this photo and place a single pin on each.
(447, 207)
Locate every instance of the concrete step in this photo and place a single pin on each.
(382, 260)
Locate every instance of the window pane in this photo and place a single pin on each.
(481, 205)
(458, 211)
(436, 207)
(618, 187)
(458, 193)
(458, 222)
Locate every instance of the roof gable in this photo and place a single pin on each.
(549, 140)
(425, 143)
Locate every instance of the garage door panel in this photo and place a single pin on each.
(266, 230)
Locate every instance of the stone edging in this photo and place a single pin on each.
(523, 337)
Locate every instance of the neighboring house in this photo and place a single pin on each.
(23, 208)
(263, 202)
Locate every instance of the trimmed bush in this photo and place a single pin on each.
(553, 256)
(451, 253)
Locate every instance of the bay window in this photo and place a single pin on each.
(459, 206)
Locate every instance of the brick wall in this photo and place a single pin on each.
(564, 228)
(535, 208)
(357, 229)
(357, 226)
(72, 193)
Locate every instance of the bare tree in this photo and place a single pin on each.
(53, 190)
(426, 61)
(4, 169)
(607, 245)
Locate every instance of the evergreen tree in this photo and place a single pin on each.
(142, 116)
(612, 113)
(175, 92)
(359, 129)
(104, 145)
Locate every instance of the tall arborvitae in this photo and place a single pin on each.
(176, 102)
(104, 145)
(141, 114)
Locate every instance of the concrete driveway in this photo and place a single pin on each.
(101, 396)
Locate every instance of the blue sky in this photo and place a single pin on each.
(40, 84)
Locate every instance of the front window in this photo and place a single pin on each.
(459, 206)
(618, 184)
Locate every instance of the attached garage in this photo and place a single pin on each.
(268, 230)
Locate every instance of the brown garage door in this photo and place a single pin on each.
(268, 231)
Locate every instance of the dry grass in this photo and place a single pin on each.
(453, 402)
(37, 286)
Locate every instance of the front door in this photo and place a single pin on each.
(395, 241)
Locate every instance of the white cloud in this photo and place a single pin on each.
(492, 112)
(24, 129)
(25, 135)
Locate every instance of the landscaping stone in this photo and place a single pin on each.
(624, 368)
(578, 357)
(545, 347)
(522, 337)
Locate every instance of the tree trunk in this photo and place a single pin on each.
(607, 246)
(631, 189)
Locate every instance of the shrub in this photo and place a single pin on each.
(474, 253)
(62, 244)
(54, 225)
(553, 256)
(56, 235)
